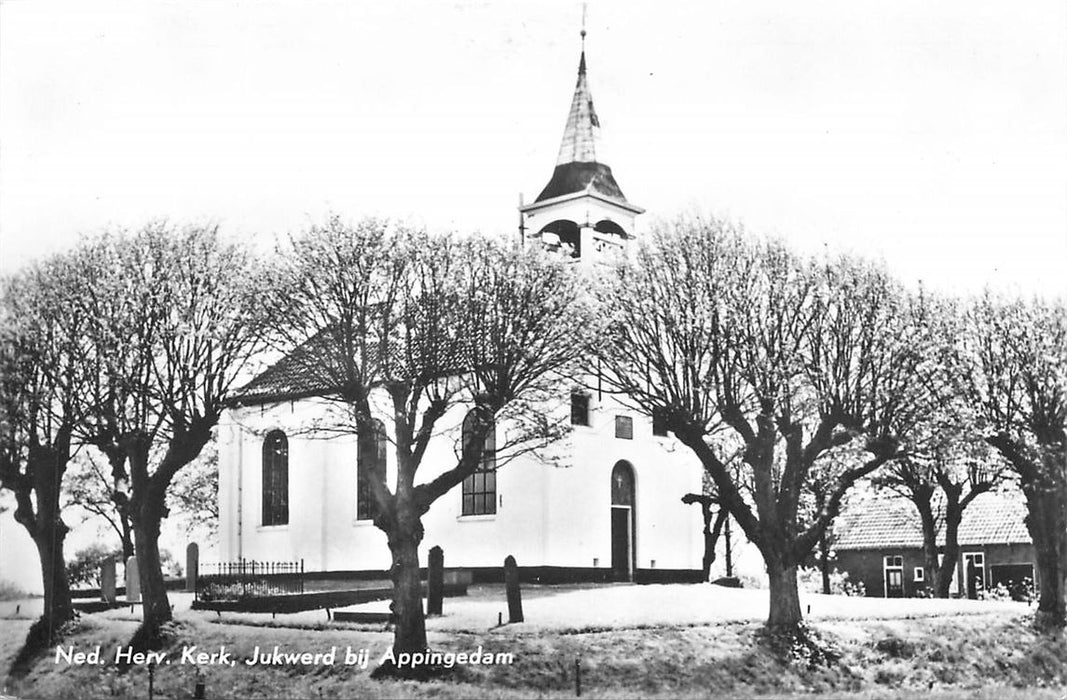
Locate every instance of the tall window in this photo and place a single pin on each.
(659, 422)
(371, 449)
(479, 489)
(275, 479)
(579, 408)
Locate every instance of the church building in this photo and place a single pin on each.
(607, 508)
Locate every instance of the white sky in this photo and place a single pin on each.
(933, 135)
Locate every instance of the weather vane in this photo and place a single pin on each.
(585, 7)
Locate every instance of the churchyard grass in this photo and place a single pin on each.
(889, 649)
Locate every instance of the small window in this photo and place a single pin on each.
(624, 427)
(275, 479)
(579, 408)
(370, 465)
(895, 562)
(479, 489)
(920, 574)
(659, 422)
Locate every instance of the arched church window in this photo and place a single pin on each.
(567, 233)
(622, 484)
(275, 479)
(370, 466)
(479, 489)
(609, 226)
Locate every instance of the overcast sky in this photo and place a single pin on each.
(933, 135)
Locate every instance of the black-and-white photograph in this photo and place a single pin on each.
(539, 349)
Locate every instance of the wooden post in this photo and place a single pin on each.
(107, 581)
(511, 583)
(192, 566)
(133, 581)
(436, 581)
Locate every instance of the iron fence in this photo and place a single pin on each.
(248, 578)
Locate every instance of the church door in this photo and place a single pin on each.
(622, 522)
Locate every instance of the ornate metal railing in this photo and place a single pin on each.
(248, 578)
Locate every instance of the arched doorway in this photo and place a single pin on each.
(623, 552)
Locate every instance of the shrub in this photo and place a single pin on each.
(810, 580)
(896, 648)
(84, 569)
(11, 591)
(1016, 590)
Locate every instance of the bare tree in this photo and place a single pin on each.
(947, 468)
(1012, 359)
(175, 323)
(89, 485)
(195, 491)
(40, 380)
(422, 324)
(796, 362)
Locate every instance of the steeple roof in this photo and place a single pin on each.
(581, 134)
(577, 168)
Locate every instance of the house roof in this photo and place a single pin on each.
(577, 167)
(992, 518)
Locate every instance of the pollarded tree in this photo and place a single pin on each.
(399, 322)
(41, 381)
(1012, 360)
(799, 362)
(946, 468)
(176, 322)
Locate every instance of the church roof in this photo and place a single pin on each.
(577, 167)
(893, 523)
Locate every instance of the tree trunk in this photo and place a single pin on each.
(127, 537)
(38, 510)
(951, 552)
(929, 530)
(785, 597)
(1047, 522)
(154, 600)
(824, 563)
(728, 547)
(58, 607)
(410, 632)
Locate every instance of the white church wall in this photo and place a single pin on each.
(548, 514)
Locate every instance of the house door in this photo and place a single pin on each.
(974, 573)
(893, 569)
(622, 522)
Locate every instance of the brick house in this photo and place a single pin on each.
(878, 542)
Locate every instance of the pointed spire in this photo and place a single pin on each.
(582, 132)
(577, 167)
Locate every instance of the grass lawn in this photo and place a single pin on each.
(633, 642)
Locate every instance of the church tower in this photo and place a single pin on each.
(581, 211)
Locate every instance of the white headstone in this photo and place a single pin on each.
(133, 581)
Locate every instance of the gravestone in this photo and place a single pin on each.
(133, 581)
(107, 581)
(192, 566)
(436, 581)
(511, 583)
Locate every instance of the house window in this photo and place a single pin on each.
(579, 408)
(275, 479)
(370, 465)
(659, 422)
(624, 427)
(479, 489)
(919, 575)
